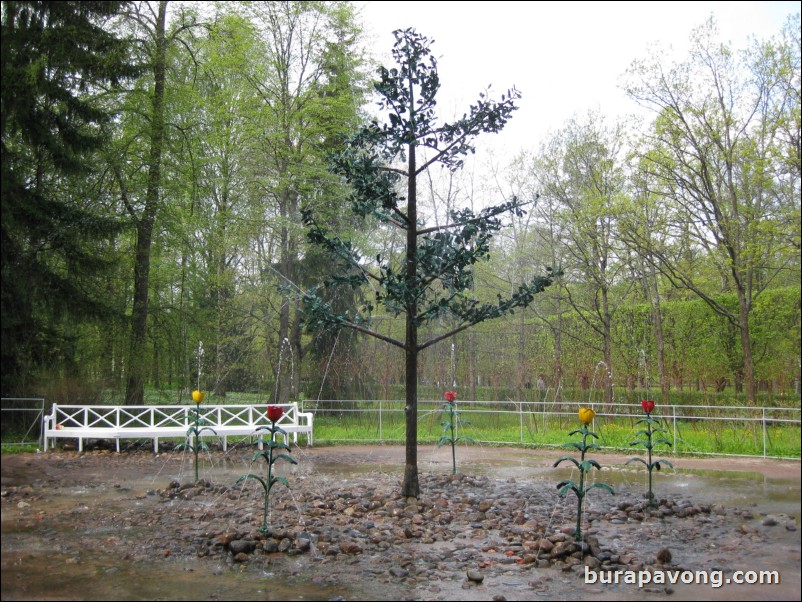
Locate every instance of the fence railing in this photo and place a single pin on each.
(21, 420)
(692, 429)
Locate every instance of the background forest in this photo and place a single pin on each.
(156, 158)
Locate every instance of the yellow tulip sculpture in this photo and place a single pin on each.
(193, 442)
(586, 416)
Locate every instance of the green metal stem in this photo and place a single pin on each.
(195, 442)
(453, 443)
(581, 495)
(269, 476)
(650, 466)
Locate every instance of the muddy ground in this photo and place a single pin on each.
(132, 526)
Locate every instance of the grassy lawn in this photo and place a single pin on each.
(486, 426)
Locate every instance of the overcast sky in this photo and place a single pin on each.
(564, 57)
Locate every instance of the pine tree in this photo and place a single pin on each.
(56, 58)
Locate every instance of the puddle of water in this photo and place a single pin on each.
(742, 489)
(48, 576)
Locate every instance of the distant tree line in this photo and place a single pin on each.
(157, 159)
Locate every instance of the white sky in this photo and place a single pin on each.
(564, 57)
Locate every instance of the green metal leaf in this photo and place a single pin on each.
(261, 454)
(574, 444)
(601, 486)
(588, 464)
(666, 462)
(284, 457)
(271, 429)
(278, 445)
(281, 480)
(244, 478)
(569, 458)
(566, 486)
(641, 460)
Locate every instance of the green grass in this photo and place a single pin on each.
(10, 449)
(361, 422)
(692, 437)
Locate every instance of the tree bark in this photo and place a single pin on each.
(411, 485)
(746, 345)
(135, 389)
(608, 347)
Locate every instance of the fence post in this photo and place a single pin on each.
(380, 422)
(42, 426)
(521, 415)
(764, 432)
(674, 415)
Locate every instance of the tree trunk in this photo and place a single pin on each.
(472, 365)
(284, 351)
(608, 348)
(659, 337)
(135, 389)
(297, 349)
(558, 355)
(522, 360)
(746, 344)
(411, 485)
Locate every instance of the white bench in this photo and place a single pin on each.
(155, 422)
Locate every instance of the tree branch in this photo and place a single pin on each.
(450, 333)
(373, 334)
(498, 210)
